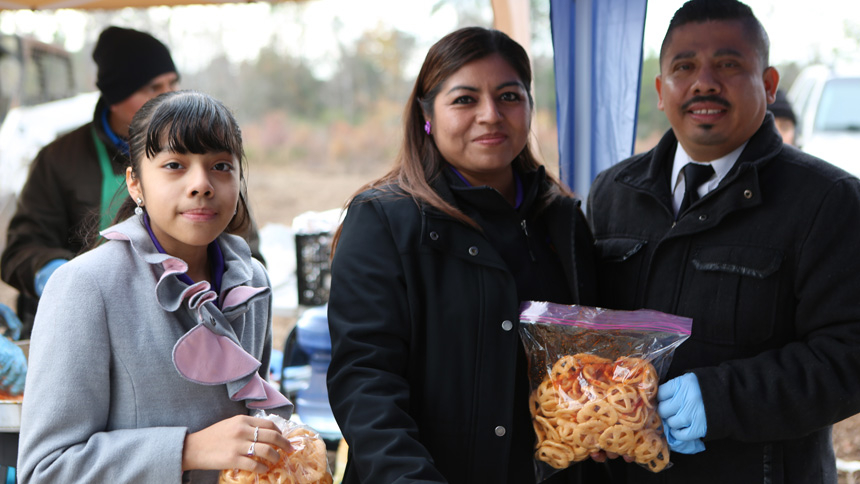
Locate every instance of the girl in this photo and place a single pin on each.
(149, 351)
(428, 376)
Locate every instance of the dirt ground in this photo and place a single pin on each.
(279, 193)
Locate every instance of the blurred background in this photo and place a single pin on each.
(319, 86)
(299, 72)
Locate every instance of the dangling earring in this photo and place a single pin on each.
(138, 210)
(427, 126)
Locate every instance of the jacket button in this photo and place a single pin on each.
(703, 217)
(473, 250)
(507, 325)
(434, 236)
(747, 194)
(500, 431)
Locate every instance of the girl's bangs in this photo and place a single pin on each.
(193, 127)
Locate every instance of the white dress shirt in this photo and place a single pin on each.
(721, 168)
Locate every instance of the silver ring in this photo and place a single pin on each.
(251, 449)
(256, 433)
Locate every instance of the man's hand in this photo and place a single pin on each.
(13, 323)
(45, 273)
(683, 413)
(13, 368)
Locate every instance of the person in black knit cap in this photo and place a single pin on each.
(70, 189)
(784, 117)
(133, 67)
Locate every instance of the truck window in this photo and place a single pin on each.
(839, 108)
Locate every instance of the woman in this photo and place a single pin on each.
(428, 377)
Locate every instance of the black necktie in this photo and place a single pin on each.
(695, 175)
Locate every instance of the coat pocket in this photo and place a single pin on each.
(735, 290)
(619, 268)
(753, 262)
(618, 249)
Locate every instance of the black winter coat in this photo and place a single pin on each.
(767, 266)
(424, 314)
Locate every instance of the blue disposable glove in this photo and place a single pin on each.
(683, 446)
(44, 274)
(683, 413)
(13, 368)
(12, 322)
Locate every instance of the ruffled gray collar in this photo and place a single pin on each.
(210, 353)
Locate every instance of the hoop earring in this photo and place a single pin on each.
(138, 210)
(427, 126)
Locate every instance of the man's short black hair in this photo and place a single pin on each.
(700, 11)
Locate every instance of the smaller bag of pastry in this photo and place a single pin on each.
(305, 463)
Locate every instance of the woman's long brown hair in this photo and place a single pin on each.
(419, 161)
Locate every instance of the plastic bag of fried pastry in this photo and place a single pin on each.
(593, 376)
(305, 463)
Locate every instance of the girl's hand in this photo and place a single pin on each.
(227, 445)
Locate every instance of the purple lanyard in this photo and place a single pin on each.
(215, 256)
(519, 184)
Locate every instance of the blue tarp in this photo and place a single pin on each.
(598, 59)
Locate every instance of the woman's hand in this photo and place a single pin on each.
(229, 444)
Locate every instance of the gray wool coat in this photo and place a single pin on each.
(103, 400)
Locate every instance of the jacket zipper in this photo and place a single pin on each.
(525, 228)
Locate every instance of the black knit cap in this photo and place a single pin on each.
(781, 108)
(127, 60)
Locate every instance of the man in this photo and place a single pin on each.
(72, 182)
(760, 252)
(786, 121)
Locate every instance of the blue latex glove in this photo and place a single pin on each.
(683, 413)
(12, 322)
(44, 274)
(682, 446)
(13, 367)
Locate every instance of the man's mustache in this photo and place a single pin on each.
(703, 99)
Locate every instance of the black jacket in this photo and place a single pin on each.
(767, 266)
(423, 314)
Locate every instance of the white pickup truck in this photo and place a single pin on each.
(827, 104)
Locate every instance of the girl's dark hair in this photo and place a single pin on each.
(187, 122)
(419, 161)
